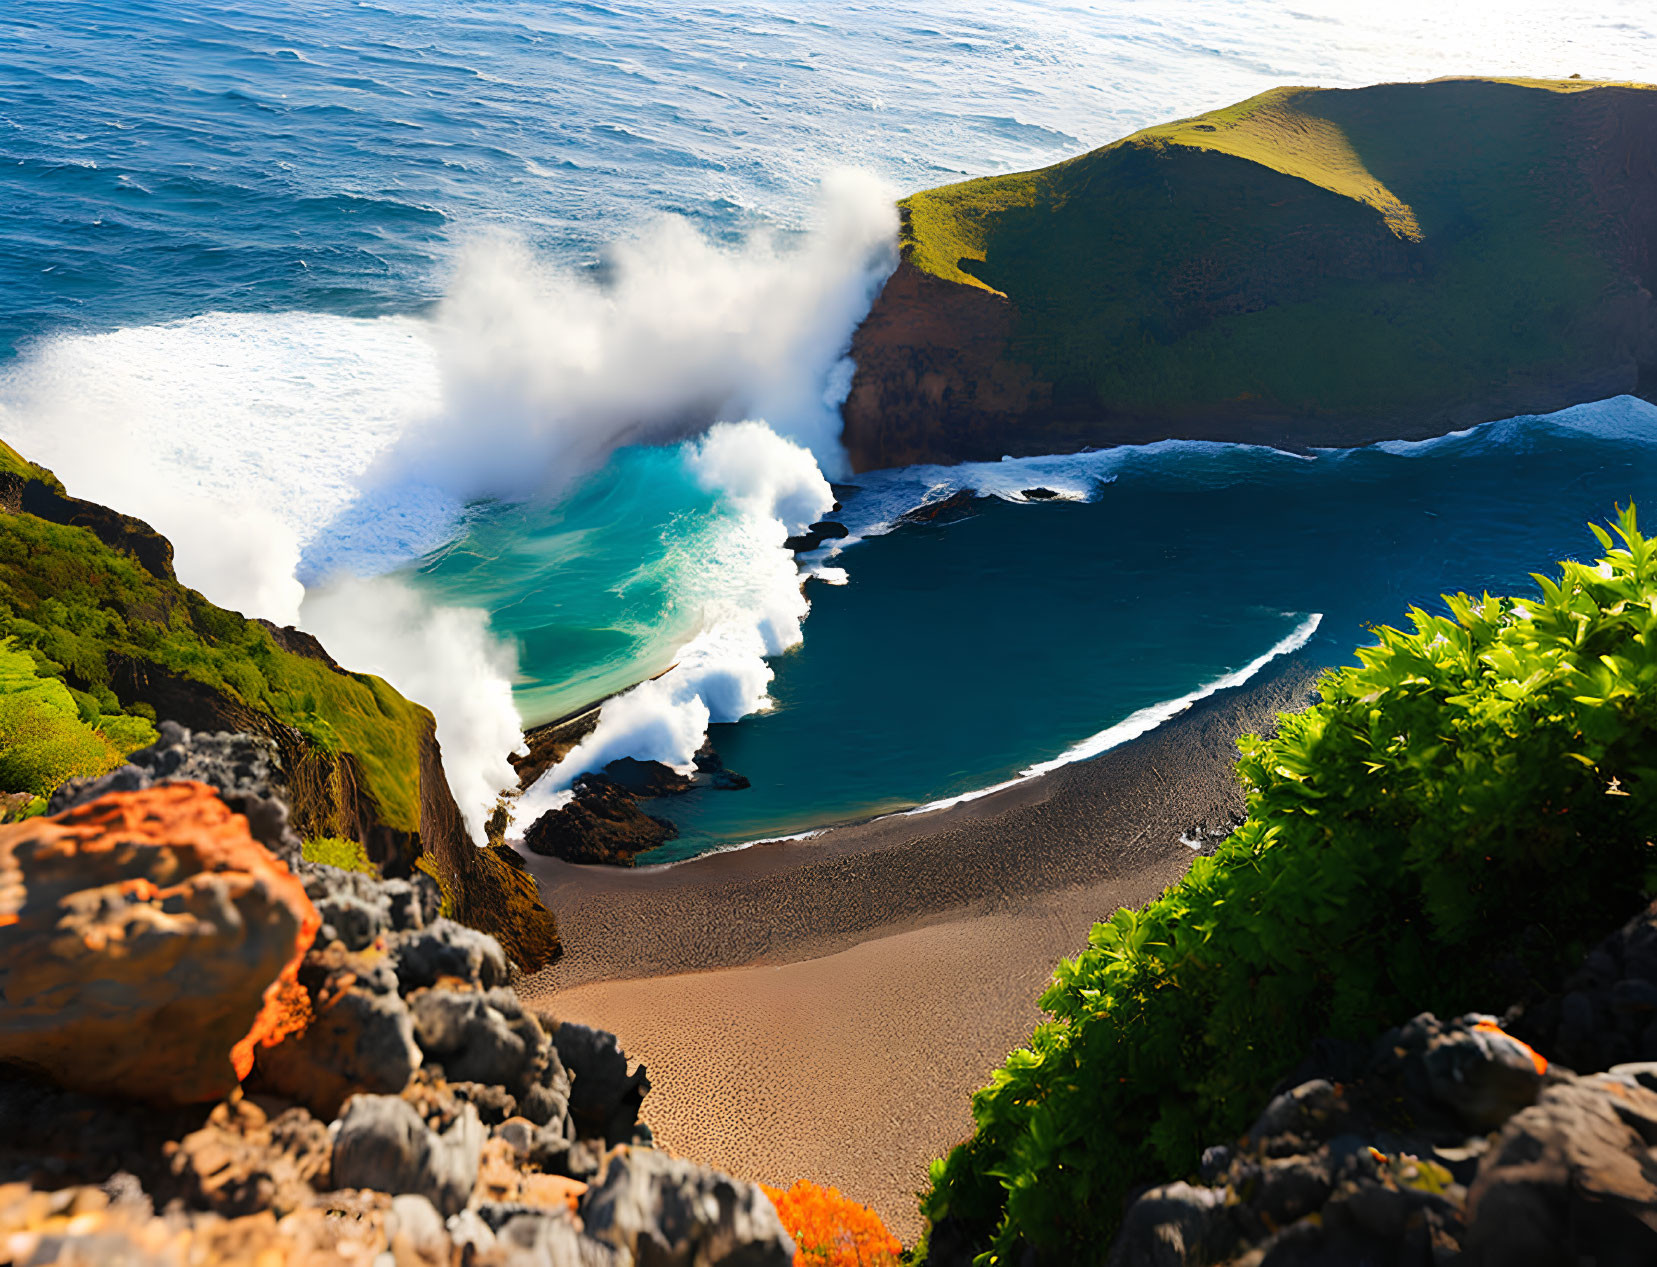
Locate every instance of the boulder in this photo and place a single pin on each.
(667, 1212)
(1571, 1179)
(357, 1034)
(601, 823)
(645, 779)
(245, 770)
(250, 1157)
(480, 1036)
(425, 956)
(604, 1096)
(150, 913)
(384, 1145)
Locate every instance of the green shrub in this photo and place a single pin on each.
(1473, 800)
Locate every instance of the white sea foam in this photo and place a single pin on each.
(1138, 723)
(751, 607)
(287, 451)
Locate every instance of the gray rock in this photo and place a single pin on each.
(1298, 1120)
(480, 1036)
(604, 1097)
(1571, 1179)
(363, 1041)
(1177, 1225)
(244, 769)
(415, 1229)
(384, 1145)
(494, 1104)
(357, 908)
(447, 949)
(1484, 1074)
(469, 1233)
(541, 1238)
(666, 1212)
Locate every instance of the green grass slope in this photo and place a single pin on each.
(99, 640)
(1309, 265)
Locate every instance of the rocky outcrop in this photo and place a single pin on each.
(244, 770)
(403, 1101)
(149, 913)
(602, 823)
(1457, 1144)
(1445, 1143)
(1311, 267)
(660, 1209)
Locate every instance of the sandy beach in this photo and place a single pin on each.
(824, 1008)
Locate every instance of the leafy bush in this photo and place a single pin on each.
(1466, 805)
(830, 1230)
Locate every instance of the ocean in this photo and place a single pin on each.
(408, 320)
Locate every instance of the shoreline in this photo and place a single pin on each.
(782, 900)
(824, 1008)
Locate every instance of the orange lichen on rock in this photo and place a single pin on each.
(830, 1230)
(147, 944)
(1536, 1058)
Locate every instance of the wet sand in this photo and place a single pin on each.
(823, 1009)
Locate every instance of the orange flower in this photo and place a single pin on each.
(831, 1231)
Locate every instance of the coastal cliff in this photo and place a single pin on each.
(99, 642)
(1309, 267)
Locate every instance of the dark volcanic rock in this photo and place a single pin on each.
(956, 506)
(1040, 494)
(1397, 1164)
(711, 767)
(819, 532)
(603, 823)
(383, 1144)
(646, 778)
(605, 1099)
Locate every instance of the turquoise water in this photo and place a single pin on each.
(327, 290)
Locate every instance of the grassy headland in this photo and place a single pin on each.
(1308, 266)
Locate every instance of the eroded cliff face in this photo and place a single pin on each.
(1436, 256)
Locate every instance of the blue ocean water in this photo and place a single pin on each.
(248, 250)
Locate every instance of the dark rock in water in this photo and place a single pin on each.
(711, 767)
(603, 823)
(844, 492)
(819, 532)
(646, 778)
(662, 1209)
(955, 507)
(1039, 494)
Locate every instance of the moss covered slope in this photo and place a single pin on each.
(1307, 267)
(99, 639)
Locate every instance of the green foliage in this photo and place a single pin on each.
(74, 603)
(1476, 796)
(1297, 250)
(14, 463)
(336, 851)
(50, 733)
